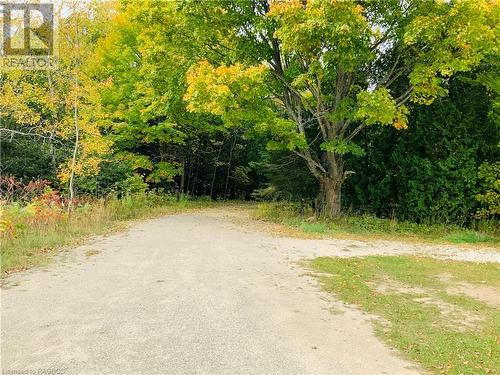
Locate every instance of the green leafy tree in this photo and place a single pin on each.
(60, 107)
(142, 61)
(314, 74)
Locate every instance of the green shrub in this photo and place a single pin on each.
(429, 172)
(489, 173)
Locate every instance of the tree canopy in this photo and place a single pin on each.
(218, 97)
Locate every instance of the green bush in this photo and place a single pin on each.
(429, 172)
(489, 173)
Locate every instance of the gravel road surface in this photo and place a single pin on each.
(193, 293)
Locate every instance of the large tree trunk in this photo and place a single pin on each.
(329, 200)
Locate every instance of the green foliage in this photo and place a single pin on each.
(220, 98)
(489, 198)
(429, 172)
(342, 147)
(462, 34)
(376, 107)
(334, 68)
(164, 171)
(228, 91)
(286, 176)
(143, 61)
(336, 30)
(115, 178)
(281, 134)
(28, 160)
(133, 185)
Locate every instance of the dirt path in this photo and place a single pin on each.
(187, 294)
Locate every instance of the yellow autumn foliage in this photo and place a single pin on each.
(218, 89)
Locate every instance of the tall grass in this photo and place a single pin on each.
(32, 242)
(304, 219)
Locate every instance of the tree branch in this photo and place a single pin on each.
(315, 167)
(27, 134)
(404, 97)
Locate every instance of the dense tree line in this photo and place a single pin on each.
(393, 103)
(429, 173)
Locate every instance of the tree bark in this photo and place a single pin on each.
(215, 171)
(75, 148)
(329, 202)
(229, 167)
(77, 129)
(330, 197)
(195, 175)
(73, 159)
(183, 179)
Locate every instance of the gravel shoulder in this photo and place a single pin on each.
(195, 293)
(345, 248)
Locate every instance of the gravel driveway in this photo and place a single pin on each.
(193, 293)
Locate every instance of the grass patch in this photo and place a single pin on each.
(468, 237)
(366, 225)
(311, 227)
(34, 244)
(446, 331)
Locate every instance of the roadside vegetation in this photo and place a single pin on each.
(442, 314)
(303, 219)
(31, 231)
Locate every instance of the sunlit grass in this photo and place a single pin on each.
(454, 334)
(361, 226)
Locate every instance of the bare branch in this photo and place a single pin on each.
(404, 97)
(356, 131)
(27, 134)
